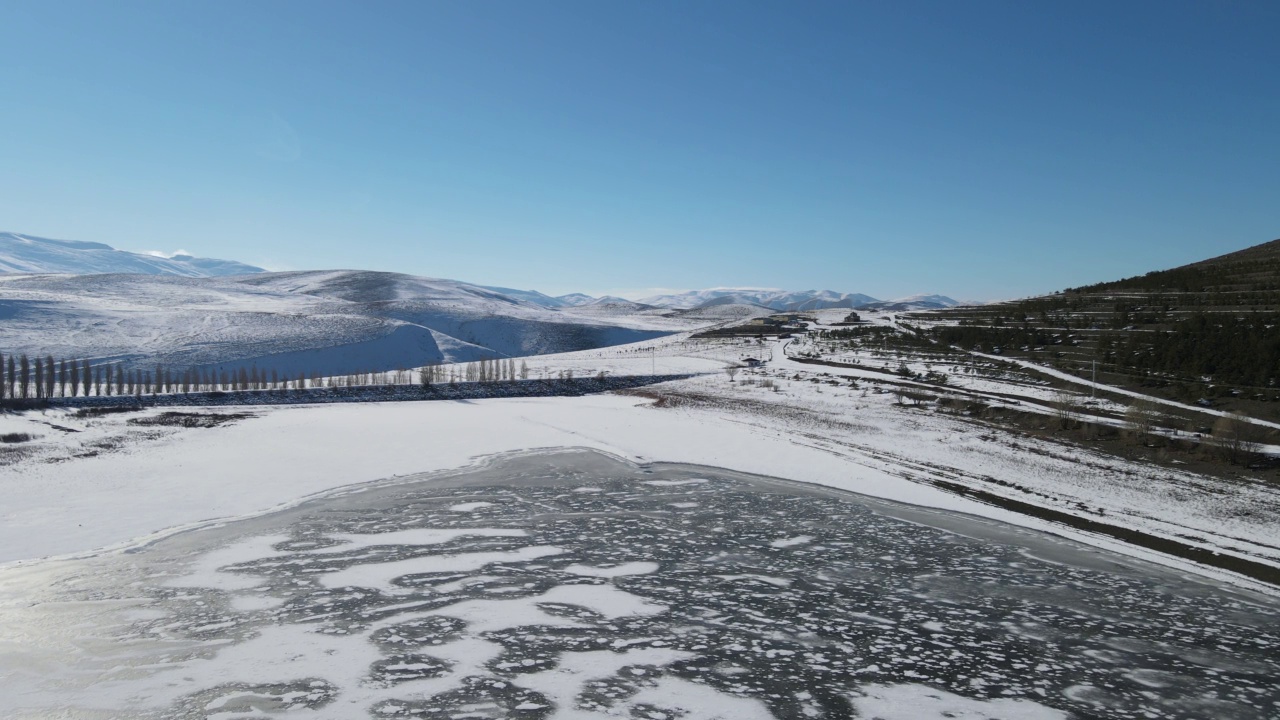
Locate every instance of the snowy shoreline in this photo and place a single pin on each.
(552, 387)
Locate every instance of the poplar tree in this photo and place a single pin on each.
(24, 379)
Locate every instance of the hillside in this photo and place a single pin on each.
(1207, 332)
(328, 322)
(30, 254)
(768, 297)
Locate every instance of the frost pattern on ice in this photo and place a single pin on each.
(555, 603)
(921, 702)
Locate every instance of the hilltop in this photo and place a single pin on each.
(30, 254)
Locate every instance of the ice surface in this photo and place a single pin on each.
(921, 702)
(593, 605)
(380, 576)
(468, 507)
(632, 568)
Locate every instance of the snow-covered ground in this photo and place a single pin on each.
(92, 487)
(810, 426)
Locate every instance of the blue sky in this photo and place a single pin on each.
(978, 149)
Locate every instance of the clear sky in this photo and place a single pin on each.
(978, 149)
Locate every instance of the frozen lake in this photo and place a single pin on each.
(573, 585)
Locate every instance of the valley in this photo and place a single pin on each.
(1051, 477)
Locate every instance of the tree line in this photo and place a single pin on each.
(24, 377)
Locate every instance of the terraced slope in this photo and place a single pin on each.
(1208, 332)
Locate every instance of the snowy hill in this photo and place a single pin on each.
(724, 308)
(532, 296)
(914, 302)
(575, 299)
(327, 322)
(31, 254)
(769, 297)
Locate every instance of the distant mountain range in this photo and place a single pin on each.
(914, 302)
(182, 310)
(30, 254)
(326, 322)
(768, 297)
(791, 300)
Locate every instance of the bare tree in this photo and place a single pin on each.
(1141, 419)
(1067, 407)
(50, 376)
(24, 379)
(524, 370)
(904, 396)
(732, 371)
(1237, 439)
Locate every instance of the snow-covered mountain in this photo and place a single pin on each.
(769, 297)
(531, 296)
(326, 322)
(575, 299)
(30, 254)
(913, 302)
